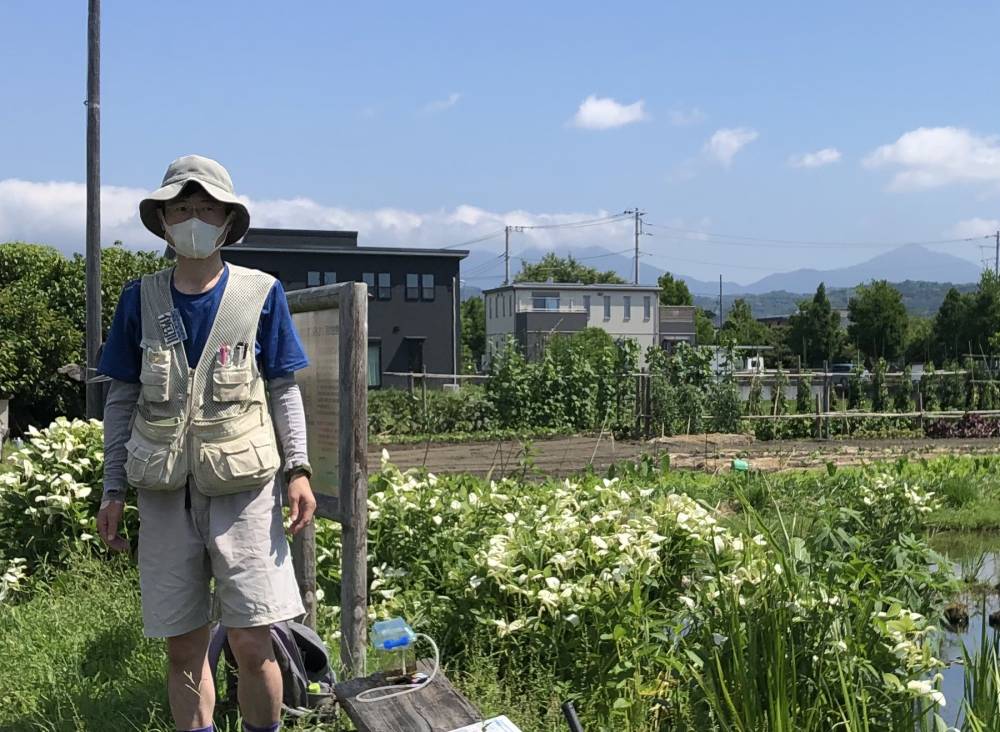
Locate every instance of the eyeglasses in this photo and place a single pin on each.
(183, 210)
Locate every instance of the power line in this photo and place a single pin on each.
(742, 240)
(573, 224)
(470, 242)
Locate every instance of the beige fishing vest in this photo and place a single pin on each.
(210, 422)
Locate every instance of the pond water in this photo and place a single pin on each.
(975, 557)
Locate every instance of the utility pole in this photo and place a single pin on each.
(638, 232)
(996, 260)
(636, 276)
(506, 255)
(93, 253)
(720, 302)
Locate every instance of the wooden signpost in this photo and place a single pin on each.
(333, 323)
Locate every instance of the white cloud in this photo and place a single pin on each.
(604, 113)
(974, 227)
(929, 157)
(815, 159)
(54, 213)
(439, 105)
(725, 143)
(685, 117)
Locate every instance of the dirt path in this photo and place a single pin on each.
(562, 456)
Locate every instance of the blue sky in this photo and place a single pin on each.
(431, 123)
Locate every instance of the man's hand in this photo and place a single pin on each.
(301, 503)
(108, 519)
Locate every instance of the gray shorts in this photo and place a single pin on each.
(237, 539)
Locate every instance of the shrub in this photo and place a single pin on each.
(50, 495)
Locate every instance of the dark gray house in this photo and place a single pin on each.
(413, 294)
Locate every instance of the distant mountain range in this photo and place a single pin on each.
(923, 276)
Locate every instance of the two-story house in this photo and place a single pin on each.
(533, 312)
(413, 294)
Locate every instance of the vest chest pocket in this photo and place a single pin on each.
(155, 374)
(231, 384)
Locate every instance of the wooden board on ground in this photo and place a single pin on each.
(436, 708)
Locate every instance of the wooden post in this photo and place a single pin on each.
(304, 561)
(93, 245)
(647, 405)
(819, 421)
(920, 408)
(353, 471)
(423, 395)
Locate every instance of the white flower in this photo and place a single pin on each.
(552, 582)
(437, 520)
(598, 542)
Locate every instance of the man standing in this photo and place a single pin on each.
(202, 412)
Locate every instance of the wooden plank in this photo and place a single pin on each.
(436, 708)
(353, 450)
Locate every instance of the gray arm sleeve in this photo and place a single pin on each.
(122, 398)
(289, 417)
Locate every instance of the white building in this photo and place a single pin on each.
(532, 312)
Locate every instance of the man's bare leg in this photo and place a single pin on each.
(189, 681)
(260, 678)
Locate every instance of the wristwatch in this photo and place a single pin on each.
(296, 470)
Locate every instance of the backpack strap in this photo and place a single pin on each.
(215, 646)
(290, 659)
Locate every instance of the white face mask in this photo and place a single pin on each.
(195, 239)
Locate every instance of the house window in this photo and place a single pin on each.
(384, 286)
(628, 307)
(412, 287)
(544, 301)
(586, 303)
(374, 364)
(490, 301)
(369, 279)
(312, 279)
(427, 287)
(647, 307)
(329, 278)
(607, 307)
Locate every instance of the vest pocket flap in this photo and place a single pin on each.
(231, 385)
(137, 451)
(254, 457)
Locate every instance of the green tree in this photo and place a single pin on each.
(473, 314)
(919, 340)
(814, 332)
(673, 291)
(742, 328)
(951, 325)
(43, 318)
(878, 321)
(704, 328)
(564, 269)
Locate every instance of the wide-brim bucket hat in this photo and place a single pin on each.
(211, 177)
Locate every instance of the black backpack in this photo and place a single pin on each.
(302, 657)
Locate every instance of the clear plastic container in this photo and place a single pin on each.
(391, 638)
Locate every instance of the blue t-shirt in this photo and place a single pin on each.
(278, 348)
